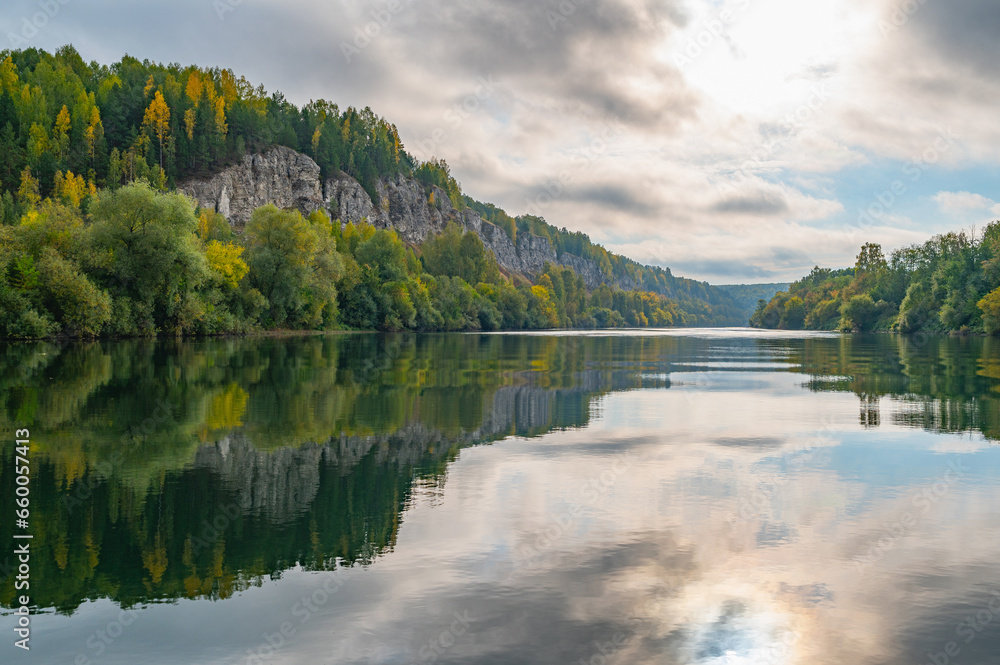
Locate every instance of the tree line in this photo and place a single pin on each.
(73, 134)
(141, 262)
(949, 284)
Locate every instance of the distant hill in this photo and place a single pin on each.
(746, 296)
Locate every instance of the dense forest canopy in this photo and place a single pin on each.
(110, 125)
(951, 283)
(93, 242)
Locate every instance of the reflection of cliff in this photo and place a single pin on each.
(240, 508)
(280, 484)
(272, 454)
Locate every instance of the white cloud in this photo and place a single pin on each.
(953, 202)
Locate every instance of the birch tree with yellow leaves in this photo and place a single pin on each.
(157, 121)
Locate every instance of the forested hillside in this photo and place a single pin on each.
(94, 243)
(951, 283)
(746, 296)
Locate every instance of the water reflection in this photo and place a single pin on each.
(759, 515)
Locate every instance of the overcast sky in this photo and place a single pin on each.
(731, 141)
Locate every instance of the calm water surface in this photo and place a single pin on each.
(696, 497)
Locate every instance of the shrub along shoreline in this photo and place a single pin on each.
(134, 261)
(950, 284)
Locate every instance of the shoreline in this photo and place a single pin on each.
(288, 334)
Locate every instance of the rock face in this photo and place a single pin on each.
(280, 176)
(289, 179)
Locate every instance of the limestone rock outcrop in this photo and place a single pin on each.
(289, 179)
(280, 176)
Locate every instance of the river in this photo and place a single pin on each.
(699, 497)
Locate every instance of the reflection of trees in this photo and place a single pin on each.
(871, 417)
(942, 384)
(266, 454)
(311, 445)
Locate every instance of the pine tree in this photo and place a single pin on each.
(114, 170)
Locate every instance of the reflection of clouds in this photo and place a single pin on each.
(656, 570)
(682, 584)
(962, 446)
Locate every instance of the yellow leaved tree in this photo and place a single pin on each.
(72, 189)
(193, 90)
(60, 135)
(27, 193)
(224, 258)
(157, 120)
(94, 132)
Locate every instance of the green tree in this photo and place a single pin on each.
(77, 304)
(990, 306)
(295, 266)
(145, 244)
(859, 313)
(794, 315)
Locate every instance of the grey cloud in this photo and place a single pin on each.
(759, 203)
(788, 255)
(560, 83)
(939, 64)
(963, 31)
(568, 61)
(760, 267)
(745, 269)
(608, 196)
(578, 71)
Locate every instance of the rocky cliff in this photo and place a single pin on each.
(289, 179)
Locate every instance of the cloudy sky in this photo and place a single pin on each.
(731, 140)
